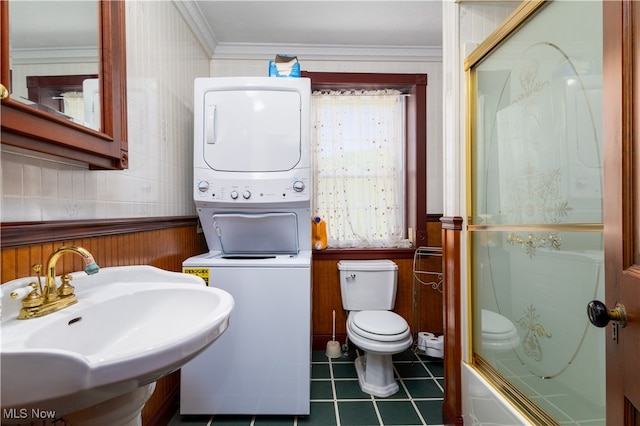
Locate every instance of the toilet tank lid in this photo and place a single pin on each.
(367, 265)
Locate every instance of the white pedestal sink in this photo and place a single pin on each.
(131, 326)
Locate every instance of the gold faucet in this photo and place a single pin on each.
(40, 300)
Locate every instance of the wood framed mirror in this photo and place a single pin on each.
(32, 127)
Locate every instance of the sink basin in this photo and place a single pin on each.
(131, 326)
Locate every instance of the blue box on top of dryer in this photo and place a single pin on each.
(284, 66)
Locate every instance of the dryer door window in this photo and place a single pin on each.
(252, 130)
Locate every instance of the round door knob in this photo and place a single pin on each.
(600, 316)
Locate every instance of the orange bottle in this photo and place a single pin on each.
(318, 233)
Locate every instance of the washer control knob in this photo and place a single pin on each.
(246, 194)
(298, 186)
(234, 194)
(203, 186)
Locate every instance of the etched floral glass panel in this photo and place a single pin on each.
(535, 224)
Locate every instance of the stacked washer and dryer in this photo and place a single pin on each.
(252, 193)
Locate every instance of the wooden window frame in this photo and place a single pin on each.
(415, 85)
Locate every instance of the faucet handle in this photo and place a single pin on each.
(65, 288)
(28, 294)
(19, 293)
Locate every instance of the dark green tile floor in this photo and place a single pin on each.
(336, 398)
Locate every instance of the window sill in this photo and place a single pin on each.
(364, 254)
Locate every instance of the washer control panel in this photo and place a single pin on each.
(254, 191)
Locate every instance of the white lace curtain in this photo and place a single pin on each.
(358, 152)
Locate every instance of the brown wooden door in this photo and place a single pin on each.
(622, 206)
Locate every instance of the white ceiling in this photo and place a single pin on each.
(48, 24)
(350, 26)
(383, 23)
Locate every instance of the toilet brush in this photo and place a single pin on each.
(333, 347)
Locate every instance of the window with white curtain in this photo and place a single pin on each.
(358, 151)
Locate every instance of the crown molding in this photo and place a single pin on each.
(199, 26)
(54, 55)
(329, 52)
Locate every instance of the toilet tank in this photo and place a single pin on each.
(368, 284)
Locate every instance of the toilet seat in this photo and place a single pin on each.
(498, 332)
(379, 326)
(496, 326)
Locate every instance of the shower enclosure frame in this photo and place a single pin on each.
(535, 226)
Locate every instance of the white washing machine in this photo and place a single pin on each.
(261, 364)
(252, 192)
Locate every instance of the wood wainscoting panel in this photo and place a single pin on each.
(161, 242)
(451, 236)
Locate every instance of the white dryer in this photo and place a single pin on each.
(252, 192)
(251, 140)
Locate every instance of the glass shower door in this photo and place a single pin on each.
(535, 211)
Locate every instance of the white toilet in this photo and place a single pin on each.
(368, 289)
(498, 332)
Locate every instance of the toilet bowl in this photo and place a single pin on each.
(380, 334)
(368, 290)
(498, 332)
